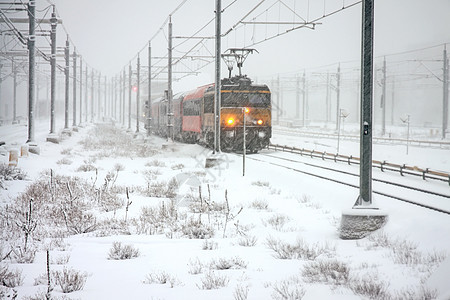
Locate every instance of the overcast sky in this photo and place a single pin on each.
(109, 33)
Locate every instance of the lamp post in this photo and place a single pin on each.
(406, 120)
(342, 115)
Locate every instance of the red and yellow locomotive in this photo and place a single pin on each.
(193, 115)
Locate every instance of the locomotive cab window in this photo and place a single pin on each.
(241, 99)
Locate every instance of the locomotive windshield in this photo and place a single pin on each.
(241, 99)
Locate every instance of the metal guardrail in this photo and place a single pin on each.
(382, 165)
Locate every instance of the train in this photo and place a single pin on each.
(193, 115)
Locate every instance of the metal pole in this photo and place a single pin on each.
(81, 89)
(445, 95)
(86, 95)
(105, 105)
(123, 97)
(297, 97)
(92, 96)
(279, 112)
(392, 101)
(66, 85)
(99, 101)
(114, 92)
(244, 146)
(383, 100)
(217, 87)
(31, 68)
(327, 100)
(14, 69)
(407, 137)
(338, 95)
(36, 105)
(149, 99)
(339, 129)
(365, 180)
(1, 81)
(138, 88)
(129, 97)
(304, 100)
(169, 84)
(74, 124)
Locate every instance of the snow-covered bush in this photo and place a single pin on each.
(177, 167)
(212, 280)
(209, 245)
(110, 141)
(193, 228)
(155, 163)
(227, 263)
(22, 256)
(162, 277)
(289, 289)
(10, 278)
(421, 292)
(155, 220)
(119, 251)
(42, 279)
(326, 271)
(261, 183)
(162, 189)
(8, 173)
(370, 287)
(7, 293)
(247, 241)
(299, 250)
(241, 292)
(403, 251)
(60, 260)
(259, 204)
(86, 167)
(64, 161)
(195, 266)
(277, 221)
(58, 201)
(69, 280)
(112, 226)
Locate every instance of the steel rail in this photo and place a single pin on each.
(357, 175)
(354, 186)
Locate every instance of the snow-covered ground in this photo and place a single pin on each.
(277, 238)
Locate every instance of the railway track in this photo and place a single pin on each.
(424, 173)
(380, 140)
(403, 192)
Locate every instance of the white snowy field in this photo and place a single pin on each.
(278, 239)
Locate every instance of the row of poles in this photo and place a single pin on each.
(83, 109)
(333, 83)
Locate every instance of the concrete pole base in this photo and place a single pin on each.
(213, 161)
(360, 221)
(53, 138)
(66, 132)
(75, 128)
(34, 148)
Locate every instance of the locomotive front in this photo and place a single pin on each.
(241, 100)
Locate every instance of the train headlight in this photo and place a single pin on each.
(261, 134)
(247, 110)
(260, 122)
(230, 121)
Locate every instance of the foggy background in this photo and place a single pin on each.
(409, 34)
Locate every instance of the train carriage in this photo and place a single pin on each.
(193, 115)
